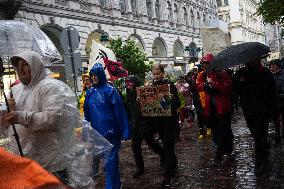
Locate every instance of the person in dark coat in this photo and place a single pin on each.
(256, 87)
(166, 126)
(278, 75)
(140, 126)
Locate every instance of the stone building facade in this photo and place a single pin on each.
(162, 28)
(244, 25)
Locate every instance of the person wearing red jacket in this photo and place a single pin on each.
(217, 87)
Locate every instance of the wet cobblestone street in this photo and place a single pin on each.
(196, 168)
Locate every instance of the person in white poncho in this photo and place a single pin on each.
(47, 112)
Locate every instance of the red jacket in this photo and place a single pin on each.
(222, 83)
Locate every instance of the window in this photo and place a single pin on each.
(103, 3)
(219, 3)
(170, 14)
(134, 7)
(198, 20)
(185, 16)
(157, 9)
(122, 6)
(226, 2)
(192, 18)
(149, 8)
(175, 13)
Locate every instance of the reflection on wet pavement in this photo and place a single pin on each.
(196, 168)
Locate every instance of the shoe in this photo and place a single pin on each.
(138, 173)
(167, 182)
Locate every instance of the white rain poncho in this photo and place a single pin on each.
(47, 113)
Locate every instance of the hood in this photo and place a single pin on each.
(35, 61)
(98, 70)
(207, 58)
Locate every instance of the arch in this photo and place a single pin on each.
(94, 35)
(53, 32)
(138, 40)
(178, 49)
(159, 48)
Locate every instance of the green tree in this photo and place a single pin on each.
(272, 11)
(133, 59)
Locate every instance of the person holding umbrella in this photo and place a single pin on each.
(255, 86)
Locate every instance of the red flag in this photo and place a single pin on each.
(115, 69)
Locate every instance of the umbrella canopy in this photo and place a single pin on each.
(16, 37)
(237, 55)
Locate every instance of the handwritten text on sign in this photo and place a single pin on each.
(155, 100)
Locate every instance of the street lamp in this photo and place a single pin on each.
(104, 38)
(193, 51)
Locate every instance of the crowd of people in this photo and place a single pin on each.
(46, 112)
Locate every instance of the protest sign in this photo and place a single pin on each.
(155, 100)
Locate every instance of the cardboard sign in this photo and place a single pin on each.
(155, 100)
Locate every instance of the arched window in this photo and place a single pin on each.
(149, 8)
(157, 9)
(178, 49)
(170, 14)
(185, 16)
(192, 18)
(226, 2)
(175, 13)
(198, 20)
(159, 48)
(204, 24)
(122, 6)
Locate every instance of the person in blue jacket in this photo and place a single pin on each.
(104, 108)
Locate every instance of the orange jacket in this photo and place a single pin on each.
(22, 173)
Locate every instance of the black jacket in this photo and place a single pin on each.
(256, 88)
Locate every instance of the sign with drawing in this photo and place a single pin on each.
(155, 100)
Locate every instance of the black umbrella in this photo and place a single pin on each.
(237, 55)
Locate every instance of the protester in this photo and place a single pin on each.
(46, 109)
(217, 87)
(105, 110)
(87, 84)
(167, 126)
(201, 77)
(191, 80)
(186, 113)
(140, 125)
(276, 70)
(256, 87)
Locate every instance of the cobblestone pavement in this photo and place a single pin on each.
(196, 168)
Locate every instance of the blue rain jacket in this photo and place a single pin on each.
(104, 108)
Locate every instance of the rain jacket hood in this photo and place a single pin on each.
(35, 61)
(98, 70)
(47, 114)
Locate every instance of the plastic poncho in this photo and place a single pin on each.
(47, 111)
(104, 108)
